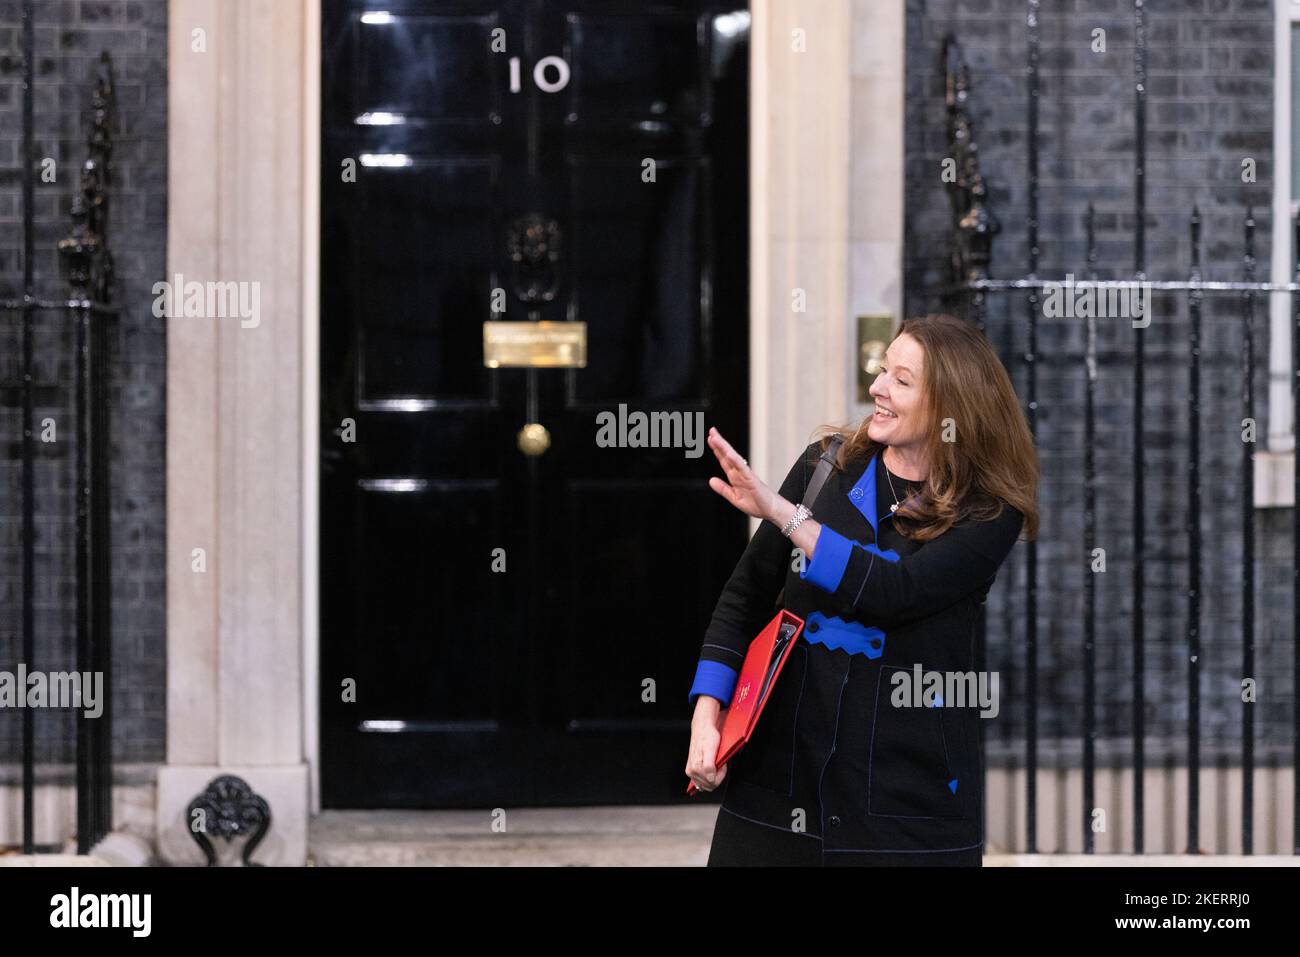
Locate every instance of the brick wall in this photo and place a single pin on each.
(1209, 106)
(69, 37)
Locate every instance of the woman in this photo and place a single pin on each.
(926, 499)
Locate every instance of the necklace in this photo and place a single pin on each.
(890, 479)
(893, 508)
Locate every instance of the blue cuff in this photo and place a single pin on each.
(830, 558)
(714, 679)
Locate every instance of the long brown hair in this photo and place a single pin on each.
(990, 459)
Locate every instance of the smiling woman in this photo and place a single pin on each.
(835, 773)
(899, 419)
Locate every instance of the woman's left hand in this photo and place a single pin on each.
(742, 488)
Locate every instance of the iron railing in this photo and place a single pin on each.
(976, 226)
(88, 267)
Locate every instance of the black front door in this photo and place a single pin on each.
(511, 607)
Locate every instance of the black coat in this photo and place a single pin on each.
(831, 754)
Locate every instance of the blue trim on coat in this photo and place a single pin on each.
(853, 636)
(863, 495)
(830, 558)
(826, 571)
(715, 679)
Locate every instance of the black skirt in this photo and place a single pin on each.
(738, 842)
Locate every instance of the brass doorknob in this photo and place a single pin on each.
(533, 439)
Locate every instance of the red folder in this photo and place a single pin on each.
(763, 663)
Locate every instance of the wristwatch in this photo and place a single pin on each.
(801, 512)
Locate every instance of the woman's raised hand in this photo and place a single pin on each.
(742, 487)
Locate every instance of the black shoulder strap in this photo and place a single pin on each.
(824, 465)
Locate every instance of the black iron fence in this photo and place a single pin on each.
(88, 268)
(976, 226)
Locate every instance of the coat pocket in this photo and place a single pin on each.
(767, 759)
(913, 769)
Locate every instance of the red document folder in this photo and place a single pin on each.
(763, 663)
